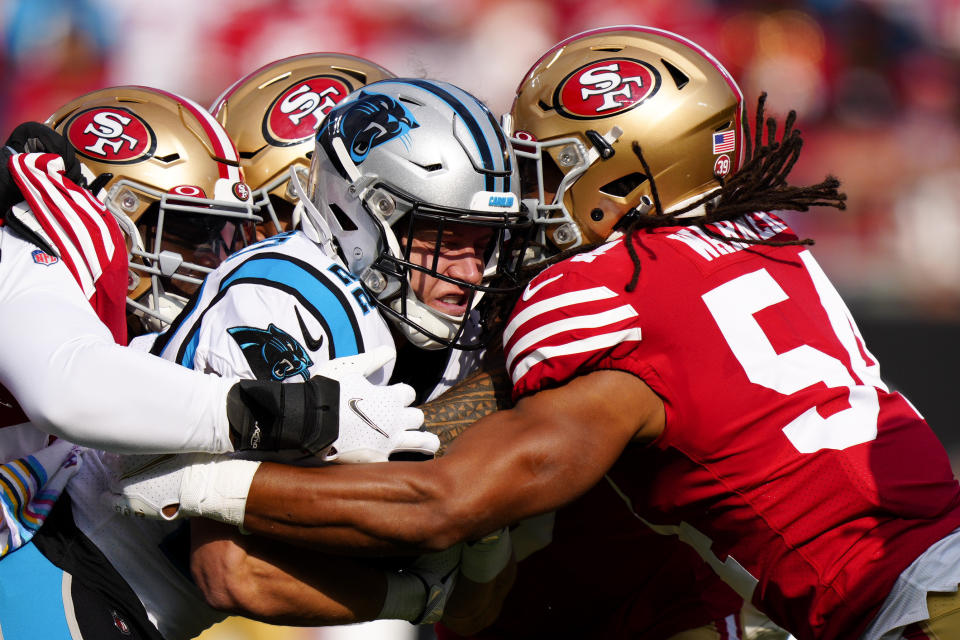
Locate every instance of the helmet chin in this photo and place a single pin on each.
(422, 316)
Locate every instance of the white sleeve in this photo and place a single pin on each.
(61, 364)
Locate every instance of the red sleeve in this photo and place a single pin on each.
(569, 323)
(86, 235)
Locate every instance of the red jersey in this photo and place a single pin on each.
(785, 460)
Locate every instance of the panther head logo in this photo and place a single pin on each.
(273, 354)
(366, 122)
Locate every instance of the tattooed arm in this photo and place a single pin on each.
(452, 413)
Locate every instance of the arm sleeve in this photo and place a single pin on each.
(566, 324)
(73, 381)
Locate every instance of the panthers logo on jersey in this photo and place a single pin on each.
(273, 354)
(366, 122)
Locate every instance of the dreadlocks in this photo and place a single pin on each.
(760, 185)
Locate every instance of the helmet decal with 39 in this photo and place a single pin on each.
(590, 97)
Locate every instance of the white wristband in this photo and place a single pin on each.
(218, 489)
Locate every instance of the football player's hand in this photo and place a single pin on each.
(188, 485)
(34, 137)
(375, 421)
(337, 414)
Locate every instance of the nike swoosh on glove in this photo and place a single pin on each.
(375, 421)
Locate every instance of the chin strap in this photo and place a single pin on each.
(602, 145)
(312, 223)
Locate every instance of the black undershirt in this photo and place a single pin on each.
(422, 369)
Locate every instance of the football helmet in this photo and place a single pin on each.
(579, 109)
(404, 159)
(170, 175)
(272, 115)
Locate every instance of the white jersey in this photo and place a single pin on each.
(62, 371)
(276, 310)
(63, 315)
(60, 362)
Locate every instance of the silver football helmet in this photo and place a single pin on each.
(402, 158)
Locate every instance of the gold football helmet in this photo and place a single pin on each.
(170, 175)
(272, 115)
(579, 109)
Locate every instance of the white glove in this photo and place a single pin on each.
(192, 485)
(375, 421)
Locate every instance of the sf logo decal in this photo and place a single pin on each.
(297, 112)
(110, 134)
(606, 87)
(108, 128)
(302, 102)
(609, 85)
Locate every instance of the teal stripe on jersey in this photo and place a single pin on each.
(311, 286)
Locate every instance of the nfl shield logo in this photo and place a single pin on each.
(44, 258)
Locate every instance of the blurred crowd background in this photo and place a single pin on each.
(876, 84)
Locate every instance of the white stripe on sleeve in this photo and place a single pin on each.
(42, 173)
(556, 302)
(62, 241)
(42, 180)
(569, 324)
(94, 210)
(586, 345)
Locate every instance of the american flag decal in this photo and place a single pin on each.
(41, 257)
(724, 141)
